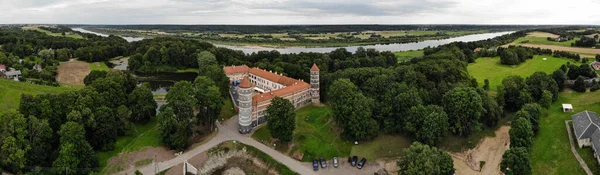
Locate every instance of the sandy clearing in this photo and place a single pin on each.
(490, 150)
(72, 72)
(542, 34)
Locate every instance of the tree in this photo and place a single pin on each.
(580, 85)
(515, 161)
(216, 73)
(424, 159)
(464, 108)
(486, 84)
(205, 59)
(560, 78)
(46, 54)
(40, 138)
(535, 112)
(104, 130)
(281, 119)
(14, 146)
(509, 57)
(174, 131)
(546, 100)
(540, 81)
(94, 74)
(75, 152)
(492, 111)
(512, 87)
(142, 104)
(209, 100)
(428, 123)
(180, 98)
(352, 110)
(521, 133)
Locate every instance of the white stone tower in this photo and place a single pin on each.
(314, 84)
(245, 106)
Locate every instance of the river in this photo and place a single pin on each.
(381, 47)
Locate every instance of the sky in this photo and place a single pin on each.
(300, 12)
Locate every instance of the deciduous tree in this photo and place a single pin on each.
(424, 159)
(515, 161)
(521, 133)
(281, 119)
(464, 108)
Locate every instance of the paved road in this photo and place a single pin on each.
(227, 132)
(581, 162)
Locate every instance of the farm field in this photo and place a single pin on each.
(491, 69)
(71, 35)
(551, 152)
(408, 55)
(10, 92)
(542, 41)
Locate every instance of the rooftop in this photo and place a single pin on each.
(567, 106)
(236, 69)
(245, 83)
(314, 67)
(585, 123)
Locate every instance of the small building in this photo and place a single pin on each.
(477, 49)
(586, 125)
(12, 74)
(567, 107)
(2, 68)
(37, 67)
(595, 65)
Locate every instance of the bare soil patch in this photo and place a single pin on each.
(72, 72)
(490, 150)
(127, 161)
(542, 34)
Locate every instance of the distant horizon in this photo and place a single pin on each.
(341, 24)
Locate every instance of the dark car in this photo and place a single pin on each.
(315, 165)
(323, 163)
(354, 159)
(362, 163)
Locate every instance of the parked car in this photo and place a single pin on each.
(323, 163)
(354, 159)
(362, 163)
(335, 162)
(315, 165)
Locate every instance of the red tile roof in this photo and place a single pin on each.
(235, 69)
(314, 67)
(299, 85)
(245, 83)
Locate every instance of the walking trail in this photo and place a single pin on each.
(227, 132)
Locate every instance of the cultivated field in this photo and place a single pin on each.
(568, 49)
(491, 69)
(542, 34)
(541, 38)
(73, 72)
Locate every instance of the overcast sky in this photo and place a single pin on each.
(301, 11)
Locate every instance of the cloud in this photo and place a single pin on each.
(300, 11)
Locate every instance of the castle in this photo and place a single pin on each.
(257, 87)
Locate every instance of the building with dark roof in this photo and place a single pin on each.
(587, 131)
(258, 87)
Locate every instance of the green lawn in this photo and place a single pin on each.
(10, 92)
(316, 134)
(551, 153)
(99, 66)
(195, 70)
(70, 35)
(543, 41)
(491, 69)
(142, 136)
(228, 110)
(382, 146)
(407, 55)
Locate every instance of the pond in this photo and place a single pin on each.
(161, 82)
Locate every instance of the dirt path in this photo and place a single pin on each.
(563, 48)
(490, 150)
(72, 72)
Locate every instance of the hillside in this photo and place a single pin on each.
(10, 92)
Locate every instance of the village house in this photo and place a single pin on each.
(595, 65)
(257, 87)
(2, 68)
(587, 131)
(12, 74)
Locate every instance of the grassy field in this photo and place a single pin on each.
(491, 69)
(407, 55)
(99, 66)
(71, 35)
(551, 153)
(227, 111)
(381, 147)
(10, 92)
(142, 136)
